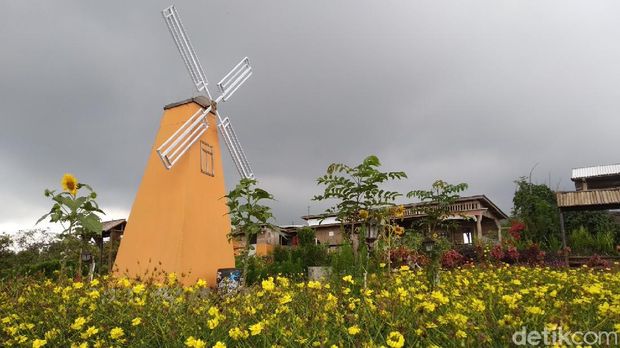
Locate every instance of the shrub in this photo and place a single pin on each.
(452, 259)
(532, 255)
(596, 261)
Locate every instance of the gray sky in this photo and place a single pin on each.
(467, 91)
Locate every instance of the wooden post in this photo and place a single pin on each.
(99, 240)
(563, 231)
(479, 228)
(499, 230)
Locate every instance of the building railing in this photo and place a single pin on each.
(456, 207)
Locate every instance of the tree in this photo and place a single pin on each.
(435, 209)
(247, 215)
(535, 205)
(436, 205)
(361, 198)
(358, 191)
(77, 214)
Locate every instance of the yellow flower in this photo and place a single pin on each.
(353, 330)
(461, 334)
(268, 285)
(124, 282)
(398, 211)
(38, 343)
(534, 310)
(78, 323)
(314, 284)
(404, 268)
(138, 289)
(478, 305)
(89, 332)
(213, 323)
(399, 230)
(195, 343)
(219, 345)
(116, 333)
(201, 283)
(395, 340)
(286, 298)
(214, 311)
(172, 278)
(363, 214)
(256, 328)
(93, 294)
(69, 183)
(51, 334)
(136, 321)
(348, 279)
(236, 333)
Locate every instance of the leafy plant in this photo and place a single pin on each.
(360, 197)
(247, 214)
(536, 207)
(436, 205)
(77, 214)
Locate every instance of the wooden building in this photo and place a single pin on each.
(476, 217)
(597, 188)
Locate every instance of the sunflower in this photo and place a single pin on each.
(69, 183)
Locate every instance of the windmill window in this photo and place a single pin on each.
(206, 159)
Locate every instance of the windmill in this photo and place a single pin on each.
(174, 148)
(178, 221)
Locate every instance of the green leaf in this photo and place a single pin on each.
(91, 223)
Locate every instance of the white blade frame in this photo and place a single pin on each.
(180, 141)
(181, 40)
(234, 79)
(235, 149)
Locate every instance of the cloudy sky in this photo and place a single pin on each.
(468, 91)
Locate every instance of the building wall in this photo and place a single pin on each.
(329, 235)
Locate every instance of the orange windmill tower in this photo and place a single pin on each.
(178, 220)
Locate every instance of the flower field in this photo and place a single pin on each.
(472, 306)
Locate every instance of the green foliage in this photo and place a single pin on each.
(535, 205)
(594, 221)
(437, 202)
(357, 188)
(77, 214)
(247, 214)
(583, 242)
(306, 236)
(343, 260)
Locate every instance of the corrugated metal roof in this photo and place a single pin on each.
(588, 172)
(584, 199)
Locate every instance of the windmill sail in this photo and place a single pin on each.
(235, 149)
(234, 79)
(186, 49)
(181, 140)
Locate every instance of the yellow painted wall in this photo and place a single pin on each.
(178, 218)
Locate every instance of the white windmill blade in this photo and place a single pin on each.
(186, 49)
(234, 79)
(174, 147)
(235, 149)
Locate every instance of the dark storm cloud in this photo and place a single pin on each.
(473, 91)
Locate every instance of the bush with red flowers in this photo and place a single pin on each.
(452, 259)
(515, 230)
